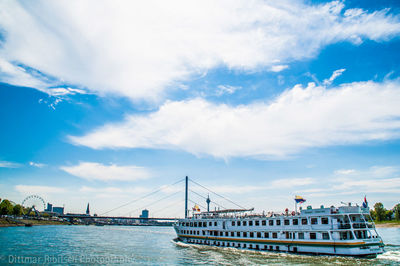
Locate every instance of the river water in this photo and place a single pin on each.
(151, 246)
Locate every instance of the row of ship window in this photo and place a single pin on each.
(303, 221)
(237, 245)
(287, 235)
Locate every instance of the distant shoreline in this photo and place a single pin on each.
(6, 222)
(388, 225)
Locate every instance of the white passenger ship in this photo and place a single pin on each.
(345, 231)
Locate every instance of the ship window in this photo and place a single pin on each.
(244, 223)
(271, 222)
(325, 236)
(304, 221)
(264, 222)
(215, 223)
(278, 222)
(257, 223)
(324, 220)
(266, 235)
(314, 220)
(244, 234)
(237, 233)
(233, 223)
(238, 223)
(250, 223)
(313, 236)
(301, 235)
(251, 234)
(274, 235)
(295, 221)
(287, 222)
(259, 234)
(232, 233)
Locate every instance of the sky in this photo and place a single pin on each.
(104, 102)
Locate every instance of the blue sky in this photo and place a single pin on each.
(259, 101)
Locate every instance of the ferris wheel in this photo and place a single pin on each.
(34, 202)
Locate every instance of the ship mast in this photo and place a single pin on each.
(186, 197)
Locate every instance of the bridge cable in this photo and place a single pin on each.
(140, 198)
(206, 198)
(154, 202)
(175, 203)
(197, 204)
(217, 194)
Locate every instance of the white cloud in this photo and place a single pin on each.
(335, 74)
(376, 179)
(17, 75)
(383, 171)
(227, 89)
(297, 119)
(27, 189)
(283, 183)
(345, 172)
(5, 164)
(292, 182)
(140, 48)
(64, 91)
(372, 172)
(39, 165)
(239, 189)
(367, 185)
(113, 192)
(278, 68)
(97, 171)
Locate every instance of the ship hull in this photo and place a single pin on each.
(368, 252)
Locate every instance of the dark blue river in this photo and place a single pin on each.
(74, 245)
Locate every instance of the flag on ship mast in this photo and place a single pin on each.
(365, 203)
(196, 208)
(299, 199)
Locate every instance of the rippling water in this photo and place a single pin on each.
(151, 246)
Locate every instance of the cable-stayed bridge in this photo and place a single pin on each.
(195, 195)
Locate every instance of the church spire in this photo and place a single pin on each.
(87, 209)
